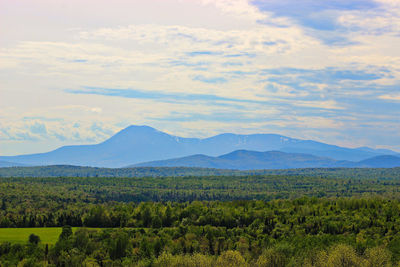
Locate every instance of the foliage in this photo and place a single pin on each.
(260, 220)
(79, 171)
(34, 239)
(317, 232)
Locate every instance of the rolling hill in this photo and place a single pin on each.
(385, 161)
(250, 160)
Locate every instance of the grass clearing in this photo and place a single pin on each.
(48, 235)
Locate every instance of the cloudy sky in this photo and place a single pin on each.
(75, 72)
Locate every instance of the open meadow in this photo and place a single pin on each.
(48, 235)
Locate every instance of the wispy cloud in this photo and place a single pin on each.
(155, 95)
(394, 97)
(331, 74)
(309, 69)
(159, 96)
(322, 20)
(203, 53)
(215, 80)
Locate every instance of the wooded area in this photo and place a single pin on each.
(264, 220)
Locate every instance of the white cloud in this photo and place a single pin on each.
(165, 53)
(395, 97)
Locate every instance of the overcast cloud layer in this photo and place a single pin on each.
(75, 72)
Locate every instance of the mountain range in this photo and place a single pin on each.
(10, 164)
(253, 160)
(137, 144)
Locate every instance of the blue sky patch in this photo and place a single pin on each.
(318, 16)
(213, 80)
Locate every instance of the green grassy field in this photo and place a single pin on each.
(48, 235)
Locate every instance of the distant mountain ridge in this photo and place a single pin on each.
(384, 161)
(136, 144)
(253, 160)
(11, 164)
(246, 160)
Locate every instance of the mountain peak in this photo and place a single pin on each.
(133, 134)
(141, 143)
(138, 128)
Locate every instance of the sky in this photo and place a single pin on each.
(76, 72)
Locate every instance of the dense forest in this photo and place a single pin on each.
(260, 220)
(79, 171)
(305, 231)
(52, 194)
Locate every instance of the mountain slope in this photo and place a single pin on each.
(248, 160)
(10, 164)
(133, 144)
(252, 160)
(142, 143)
(385, 161)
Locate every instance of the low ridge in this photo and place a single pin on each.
(251, 160)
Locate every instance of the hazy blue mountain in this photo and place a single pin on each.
(200, 161)
(385, 161)
(133, 144)
(10, 164)
(137, 144)
(379, 150)
(252, 160)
